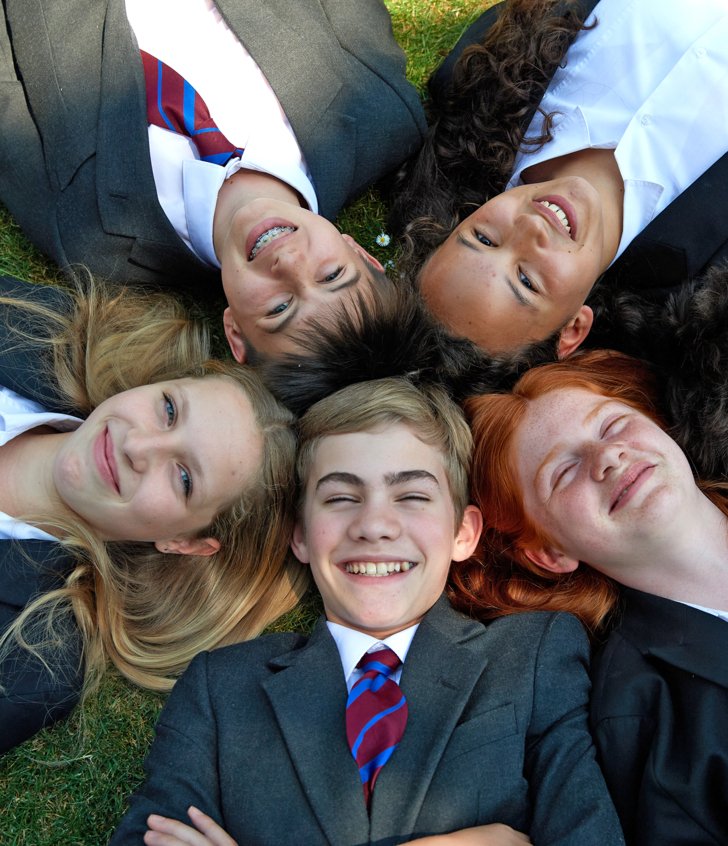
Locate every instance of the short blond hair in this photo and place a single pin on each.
(427, 410)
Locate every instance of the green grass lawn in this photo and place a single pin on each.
(68, 785)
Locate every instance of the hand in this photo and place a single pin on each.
(495, 834)
(163, 831)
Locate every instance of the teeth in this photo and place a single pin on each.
(378, 568)
(268, 236)
(560, 213)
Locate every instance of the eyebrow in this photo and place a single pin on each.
(347, 283)
(391, 479)
(551, 454)
(521, 299)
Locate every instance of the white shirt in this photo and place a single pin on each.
(18, 415)
(649, 81)
(352, 644)
(192, 38)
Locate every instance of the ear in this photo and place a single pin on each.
(575, 331)
(362, 252)
(234, 336)
(468, 534)
(551, 559)
(298, 544)
(189, 546)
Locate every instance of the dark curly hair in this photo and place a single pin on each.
(478, 120)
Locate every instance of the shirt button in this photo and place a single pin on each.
(645, 120)
(700, 52)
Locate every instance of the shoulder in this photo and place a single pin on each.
(532, 629)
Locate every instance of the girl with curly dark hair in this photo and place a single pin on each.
(569, 140)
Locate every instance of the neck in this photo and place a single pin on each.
(690, 563)
(27, 470)
(600, 169)
(239, 190)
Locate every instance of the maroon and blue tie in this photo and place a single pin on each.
(173, 104)
(376, 715)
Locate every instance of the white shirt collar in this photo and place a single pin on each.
(352, 644)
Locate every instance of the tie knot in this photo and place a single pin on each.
(384, 661)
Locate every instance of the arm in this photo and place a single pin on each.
(204, 831)
(560, 760)
(181, 766)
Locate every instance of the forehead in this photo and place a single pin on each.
(374, 454)
(221, 425)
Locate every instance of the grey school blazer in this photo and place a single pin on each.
(75, 170)
(254, 735)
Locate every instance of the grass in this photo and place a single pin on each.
(68, 785)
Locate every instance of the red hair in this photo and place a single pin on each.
(504, 580)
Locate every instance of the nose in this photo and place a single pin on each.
(290, 262)
(375, 522)
(606, 457)
(143, 448)
(529, 229)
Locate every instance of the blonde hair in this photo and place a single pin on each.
(147, 612)
(364, 406)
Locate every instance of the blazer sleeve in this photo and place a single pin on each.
(181, 768)
(645, 753)
(571, 804)
(35, 693)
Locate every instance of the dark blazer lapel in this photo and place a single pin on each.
(308, 696)
(441, 669)
(677, 634)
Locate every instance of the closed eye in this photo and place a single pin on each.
(413, 497)
(331, 500)
(613, 425)
(561, 474)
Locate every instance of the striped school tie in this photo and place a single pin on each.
(376, 714)
(173, 104)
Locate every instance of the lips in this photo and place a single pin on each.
(104, 459)
(559, 213)
(629, 484)
(265, 233)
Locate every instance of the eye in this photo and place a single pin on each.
(561, 474)
(413, 497)
(278, 309)
(332, 500)
(332, 277)
(525, 281)
(613, 425)
(170, 409)
(186, 480)
(484, 239)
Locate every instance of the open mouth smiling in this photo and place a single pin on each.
(559, 212)
(378, 568)
(268, 237)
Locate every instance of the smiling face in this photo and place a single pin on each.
(161, 461)
(520, 267)
(281, 266)
(599, 478)
(378, 528)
